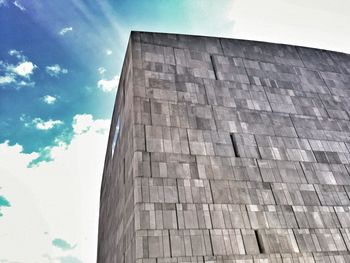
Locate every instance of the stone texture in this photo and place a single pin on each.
(227, 151)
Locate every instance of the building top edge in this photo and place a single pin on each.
(237, 39)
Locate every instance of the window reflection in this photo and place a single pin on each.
(116, 136)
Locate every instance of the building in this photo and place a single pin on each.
(226, 150)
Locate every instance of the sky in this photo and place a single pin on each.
(59, 70)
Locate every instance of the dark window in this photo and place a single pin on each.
(234, 144)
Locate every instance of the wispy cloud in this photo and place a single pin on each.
(62, 244)
(11, 80)
(19, 5)
(108, 85)
(4, 80)
(55, 70)
(48, 99)
(65, 30)
(3, 3)
(18, 54)
(101, 70)
(45, 125)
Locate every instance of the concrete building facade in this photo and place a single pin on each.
(225, 150)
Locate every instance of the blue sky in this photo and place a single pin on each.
(61, 38)
(59, 69)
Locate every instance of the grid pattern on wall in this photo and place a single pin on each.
(228, 151)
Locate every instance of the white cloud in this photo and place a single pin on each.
(83, 123)
(109, 52)
(46, 125)
(14, 150)
(108, 85)
(101, 70)
(19, 5)
(49, 99)
(55, 70)
(24, 69)
(270, 21)
(14, 74)
(44, 195)
(65, 30)
(7, 80)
